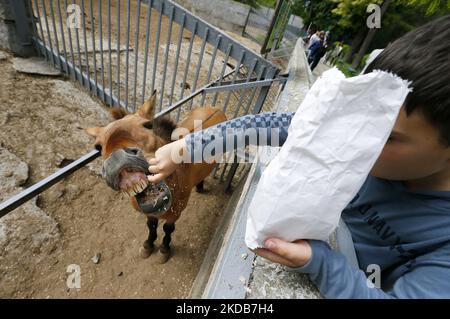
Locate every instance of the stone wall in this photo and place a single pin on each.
(226, 14)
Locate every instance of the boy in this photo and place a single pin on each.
(400, 218)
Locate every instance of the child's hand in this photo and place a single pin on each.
(294, 255)
(166, 160)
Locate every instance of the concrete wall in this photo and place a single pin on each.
(294, 20)
(226, 14)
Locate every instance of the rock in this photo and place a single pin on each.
(96, 258)
(34, 65)
(96, 167)
(3, 55)
(62, 161)
(13, 173)
(27, 234)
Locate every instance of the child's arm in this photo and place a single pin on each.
(424, 277)
(268, 128)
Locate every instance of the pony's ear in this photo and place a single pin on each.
(94, 131)
(163, 127)
(146, 110)
(118, 113)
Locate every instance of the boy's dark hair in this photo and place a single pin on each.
(422, 56)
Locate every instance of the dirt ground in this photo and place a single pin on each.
(43, 121)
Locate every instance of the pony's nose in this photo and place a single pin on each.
(132, 151)
(126, 158)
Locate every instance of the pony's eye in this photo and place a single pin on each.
(148, 125)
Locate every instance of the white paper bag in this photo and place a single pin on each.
(334, 139)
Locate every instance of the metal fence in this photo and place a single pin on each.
(121, 51)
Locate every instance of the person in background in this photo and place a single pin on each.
(317, 51)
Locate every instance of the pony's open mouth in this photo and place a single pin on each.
(151, 198)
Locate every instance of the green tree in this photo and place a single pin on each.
(251, 3)
(352, 12)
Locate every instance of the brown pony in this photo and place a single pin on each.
(124, 145)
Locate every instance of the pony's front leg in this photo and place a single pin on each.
(149, 245)
(165, 246)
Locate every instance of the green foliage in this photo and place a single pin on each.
(431, 7)
(346, 68)
(251, 3)
(267, 3)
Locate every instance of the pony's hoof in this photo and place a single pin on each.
(163, 257)
(145, 252)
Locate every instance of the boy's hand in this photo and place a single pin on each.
(166, 160)
(294, 255)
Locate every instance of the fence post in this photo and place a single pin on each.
(246, 21)
(16, 27)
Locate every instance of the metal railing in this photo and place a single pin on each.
(122, 50)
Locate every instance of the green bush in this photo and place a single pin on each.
(346, 68)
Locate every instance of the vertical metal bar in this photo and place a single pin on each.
(40, 27)
(211, 66)
(77, 36)
(155, 58)
(188, 59)
(118, 53)
(127, 53)
(91, 9)
(63, 39)
(166, 58)
(136, 53)
(109, 56)
(177, 57)
(199, 65)
(249, 75)
(186, 70)
(83, 22)
(222, 72)
(70, 42)
(69, 33)
(232, 154)
(52, 14)
(230, 175)
(101, 48)
(263, 93)
(238, 67)
(216, 168)
(147, 38)
(44, 11)
(249, 103)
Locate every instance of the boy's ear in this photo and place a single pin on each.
(146, 110)
(94, 131)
